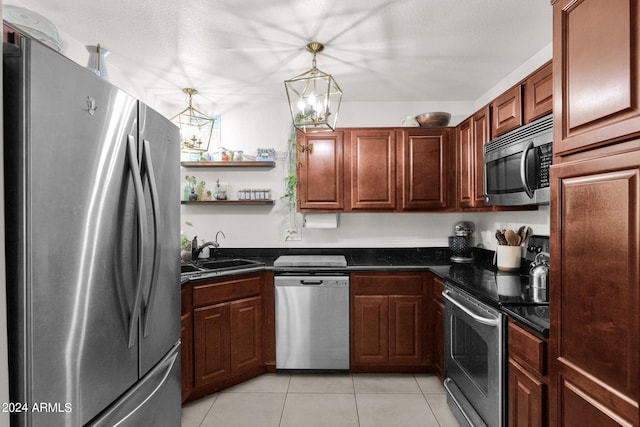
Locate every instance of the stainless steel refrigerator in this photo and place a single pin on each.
(92, 248)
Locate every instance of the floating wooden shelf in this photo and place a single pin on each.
(243, 164)
(227, 202)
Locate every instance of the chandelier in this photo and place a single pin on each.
(195, 127)
(314, 96)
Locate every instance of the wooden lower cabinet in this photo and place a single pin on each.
(594, 292)
(437, 320)
(228, 333)
(212, 344)
(527, 378)
(527, 395)
(246, 334)
(186, 322)
(389, 322)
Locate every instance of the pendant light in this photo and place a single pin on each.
(196, 127)
(314, 96)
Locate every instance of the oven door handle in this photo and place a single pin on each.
(479, 319)
(523, 169)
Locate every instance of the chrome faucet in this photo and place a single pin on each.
(216, 244)
(196, 250)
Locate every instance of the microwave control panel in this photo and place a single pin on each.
(545, 155)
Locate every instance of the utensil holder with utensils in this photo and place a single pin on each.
(509, 249)
(508, 258)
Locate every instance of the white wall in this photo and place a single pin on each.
(248, 127)
(250, 226)
(265, 226)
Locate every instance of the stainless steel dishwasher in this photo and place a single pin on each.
(312, 321)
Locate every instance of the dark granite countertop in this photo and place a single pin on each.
(508, 291)
(534, 317)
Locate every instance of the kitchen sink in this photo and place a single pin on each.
(228, 263)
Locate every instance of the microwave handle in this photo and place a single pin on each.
(523, 169)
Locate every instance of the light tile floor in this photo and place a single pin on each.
(336, 400)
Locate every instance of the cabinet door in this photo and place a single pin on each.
(595, 235)
(246, 334)
(372, 169)
(406, 326)
(428, 169)
(370, 330)
(596, 72)
(320, 171)
(538, 93)
(464, 140)
(211, 344)
(186, 336)
(526, 398)
(438, 339)
(506, 111)
(481, 134)
(472, 134)
(437, 320)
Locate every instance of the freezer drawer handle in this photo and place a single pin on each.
(153, 192)
(142, 231)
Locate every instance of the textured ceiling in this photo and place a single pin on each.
(238, 51)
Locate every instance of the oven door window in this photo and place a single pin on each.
(470, 353)
(503, 174)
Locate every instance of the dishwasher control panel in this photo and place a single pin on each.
(313, 280)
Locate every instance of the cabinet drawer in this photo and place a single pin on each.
(526, 348)
(226, 290)
(386, 283)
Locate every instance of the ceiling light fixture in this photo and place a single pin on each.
(314, 96)
(195, 127)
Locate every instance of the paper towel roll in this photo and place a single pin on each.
(320, 220)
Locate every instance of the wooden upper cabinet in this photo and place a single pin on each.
(538, 93)
(596, 72)
(464, 141)
(320, 171)
(372, 173)
(377, 170)
(471, 136)
(428, 169)
(506, 111)
(595, 321)
(481, 130)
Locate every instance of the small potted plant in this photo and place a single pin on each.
(185, 253)
(191, 182)
(200, 190)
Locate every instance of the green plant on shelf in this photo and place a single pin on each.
(290, 181)
(200, 190)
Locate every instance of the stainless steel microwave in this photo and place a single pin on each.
(516, 165)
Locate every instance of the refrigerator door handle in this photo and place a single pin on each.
(142, 228)
(153, 192)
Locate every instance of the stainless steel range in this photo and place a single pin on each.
(312, 312)
(475, 337)
(475, 372)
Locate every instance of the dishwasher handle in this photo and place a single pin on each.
(311, 282)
